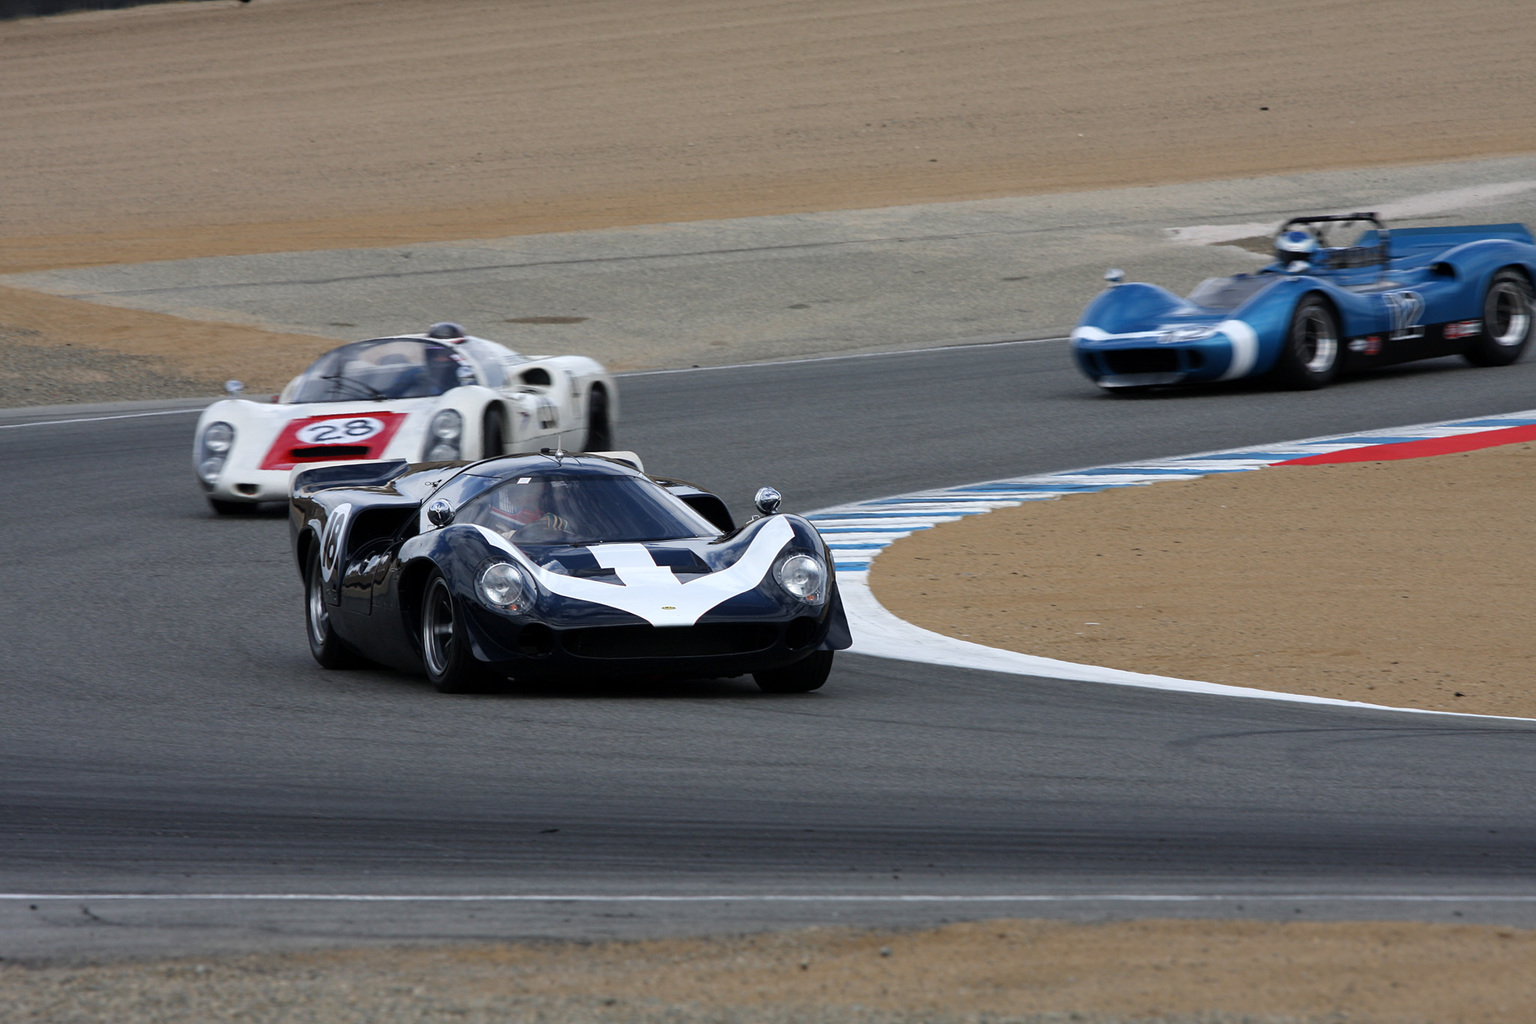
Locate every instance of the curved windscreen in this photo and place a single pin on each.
(383, 368)
(554, 509)
(1229, 292)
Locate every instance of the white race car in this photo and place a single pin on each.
(435, 397)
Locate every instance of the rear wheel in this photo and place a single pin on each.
(599, 429)
(328, 648)
(230, 508)
(494, 434)
(803, 676)
(1507, 321)
(1309, 357)
(450, 664)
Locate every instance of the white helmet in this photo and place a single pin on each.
(1295, 245)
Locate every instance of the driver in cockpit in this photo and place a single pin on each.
(1293, 248)
(530, 501)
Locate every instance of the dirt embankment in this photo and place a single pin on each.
(215, 128)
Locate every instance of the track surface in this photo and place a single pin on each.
(167, 732)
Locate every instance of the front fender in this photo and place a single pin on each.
(1126, 308)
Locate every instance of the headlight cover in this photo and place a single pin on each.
(1178, 335)
(213, 448)
(803, 577)
(505, 587)
(443, 436)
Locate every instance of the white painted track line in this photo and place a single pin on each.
(1077, 897)
(857, 533)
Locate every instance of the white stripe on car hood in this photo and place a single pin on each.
(653, 592)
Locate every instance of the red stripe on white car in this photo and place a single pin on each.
(363, 435)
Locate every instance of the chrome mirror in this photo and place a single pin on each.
(766, 500)
(1114, 276)
(439, 513)
(233, 388)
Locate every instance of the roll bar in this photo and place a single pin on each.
(1383, 235)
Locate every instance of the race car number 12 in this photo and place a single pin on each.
(340, 431)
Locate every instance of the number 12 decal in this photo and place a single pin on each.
(1405, 308)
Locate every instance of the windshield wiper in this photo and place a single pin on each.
(367, 389)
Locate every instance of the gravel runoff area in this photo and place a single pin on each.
(1364, 582)
(194, 129)
(997, 972)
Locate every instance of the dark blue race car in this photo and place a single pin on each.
(1318, 310)
(558, 566)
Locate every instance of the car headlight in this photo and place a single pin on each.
(214, 446)
(1175, 335)
(443, 436)
(803, 576)
(505, 586)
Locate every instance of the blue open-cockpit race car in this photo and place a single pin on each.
(1389, 296)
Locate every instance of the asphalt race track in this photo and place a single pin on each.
(167, 736)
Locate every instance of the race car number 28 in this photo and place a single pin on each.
(340, 431)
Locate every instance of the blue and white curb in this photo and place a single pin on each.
(858, 532)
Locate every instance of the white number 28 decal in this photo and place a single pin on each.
(340, 431)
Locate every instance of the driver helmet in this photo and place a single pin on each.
(446, 330)
(1295, 245)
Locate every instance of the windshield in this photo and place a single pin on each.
(548, 509)
(384, 368)
(1228, 292)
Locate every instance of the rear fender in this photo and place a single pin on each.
(1475, 265)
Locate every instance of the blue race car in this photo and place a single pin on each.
(1389, 297)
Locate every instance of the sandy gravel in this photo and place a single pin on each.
(217, 128)
(214, 128)
(1153, 972)
(220, 127)
(1385, 582)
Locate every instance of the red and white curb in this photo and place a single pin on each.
(858, 532)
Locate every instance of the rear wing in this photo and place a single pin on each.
(1405, 239)
(304, 482)
(628, 458)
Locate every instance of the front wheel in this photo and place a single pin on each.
(1309, 358)
(495, 434)
(1507, 321)
(450, 664)
(803, 676)
(330, 650)
(230, 508)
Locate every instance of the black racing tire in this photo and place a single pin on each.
(1507, 321)
(599, 426)
(231, 508)
(493, 434)
(330, 650)
(803, 676)
(1311, 353)
(450, 664)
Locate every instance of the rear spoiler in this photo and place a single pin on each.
(1458, 234)
(344, 474)
(628, 458)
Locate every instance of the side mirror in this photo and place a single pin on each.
(233, 388)
(766, 500)
(1114, 276)
(439, 513)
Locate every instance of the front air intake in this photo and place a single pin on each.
(703, 641)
